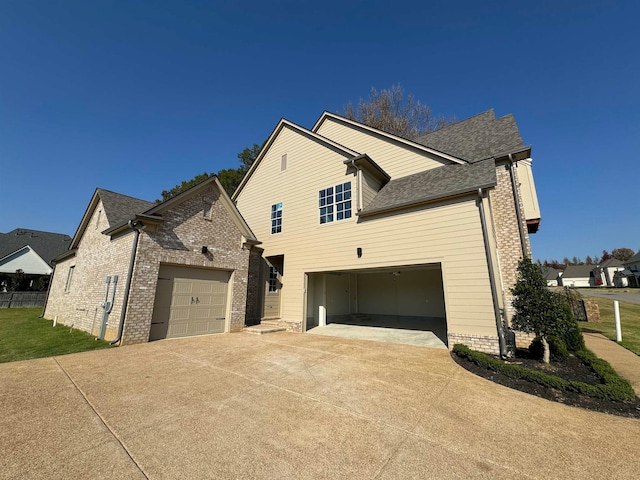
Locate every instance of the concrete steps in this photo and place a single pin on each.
(264, 327)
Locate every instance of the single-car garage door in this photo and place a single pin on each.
(189, 301)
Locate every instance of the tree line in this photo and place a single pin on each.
(623, 254)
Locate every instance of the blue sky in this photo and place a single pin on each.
(136, 96)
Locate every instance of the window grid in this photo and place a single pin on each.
(336, 201)
(273, 279)
(276, 218)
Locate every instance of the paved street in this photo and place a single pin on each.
(291, 406)
(629, 295)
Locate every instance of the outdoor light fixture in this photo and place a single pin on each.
(205, 249)
(359, 251)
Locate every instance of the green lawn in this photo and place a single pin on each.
(629, 321)
(23, 335)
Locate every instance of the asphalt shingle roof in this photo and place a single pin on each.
(121, 208)
(47, 245)
(476, 138)
(611, 262)
(578, 271)
(434, 184)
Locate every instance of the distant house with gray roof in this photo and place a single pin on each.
(579, 276)
(362, 226)
(29, 252)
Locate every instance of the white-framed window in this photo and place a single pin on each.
(276, 218)
(335, 203)
(67, 286)
(273, 279)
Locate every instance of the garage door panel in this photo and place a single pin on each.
(178, 329)
(198, 302)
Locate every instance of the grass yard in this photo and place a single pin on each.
(629, 321)
(23, 336)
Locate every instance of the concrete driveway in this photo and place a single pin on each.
(291, 406)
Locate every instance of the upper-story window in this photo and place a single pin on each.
(276, 218)
(335, 202)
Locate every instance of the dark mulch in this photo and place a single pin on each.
(572, 369)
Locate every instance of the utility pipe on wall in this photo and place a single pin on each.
(137, 227)
(492, 282)
(516, 200)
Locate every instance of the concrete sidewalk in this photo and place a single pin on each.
(623, 361)
(293, 406)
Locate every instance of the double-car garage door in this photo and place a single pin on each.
(189, 301)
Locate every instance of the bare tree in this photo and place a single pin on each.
(387, 110)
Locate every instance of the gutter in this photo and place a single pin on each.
(516, 199)
(137, 226)
(492, 281)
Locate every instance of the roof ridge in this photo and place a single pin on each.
(462, 121)
(122, 195)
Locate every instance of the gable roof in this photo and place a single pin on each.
(389, 136)
(476, 138)
(634, 259)
(430, 185)
(27, 260)
(284, 123)
(47, 245)
(578, 271)
(611, 262)
(550, 273)
(120, 209)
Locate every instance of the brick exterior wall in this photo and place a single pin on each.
(176, 241)
(507, 234)
(97, 257)
(488, 345)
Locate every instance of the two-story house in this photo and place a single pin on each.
(361, 226)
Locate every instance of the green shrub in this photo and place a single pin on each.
(613, 387)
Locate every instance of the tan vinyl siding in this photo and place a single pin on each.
(448, 233)
(396, 159)
(370, 187)
(528, 191)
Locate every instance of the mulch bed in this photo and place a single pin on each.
(572, 369)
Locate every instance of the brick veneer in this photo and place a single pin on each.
(97, 257)
(476, 342)
(507, 234)
(176, 241)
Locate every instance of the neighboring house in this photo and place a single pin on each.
(633, 267)
(552, 276)
(361, 226)
(579, 276)
(176, 268)
(607, 270)
(30, 252)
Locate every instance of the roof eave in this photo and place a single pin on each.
(417, 203)
(63, 256)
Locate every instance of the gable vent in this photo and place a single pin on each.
(283, 163)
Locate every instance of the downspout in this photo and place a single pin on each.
(137, 227)
(46, 299)
(516, 200)
(492, 281)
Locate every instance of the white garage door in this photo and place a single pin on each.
(189, 301)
